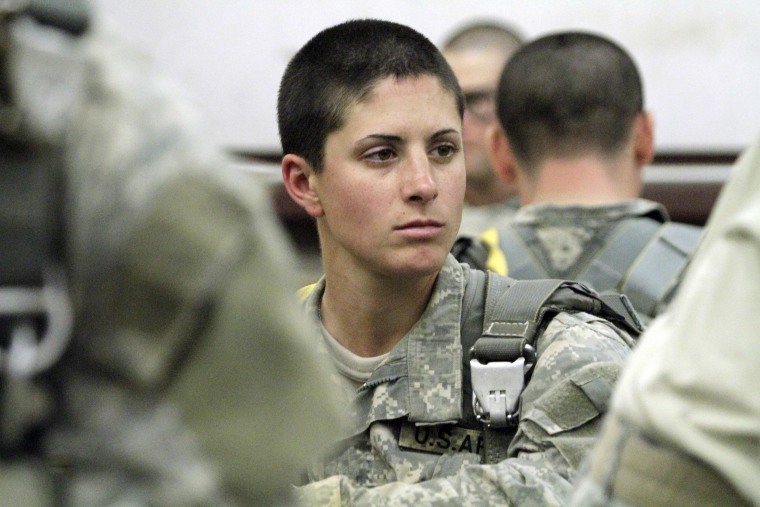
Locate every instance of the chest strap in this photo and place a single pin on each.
(501, 360)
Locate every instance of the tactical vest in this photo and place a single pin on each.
(501, 321)
(642, 257)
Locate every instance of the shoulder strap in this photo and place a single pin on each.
(499, 361)
(659, 268)
(471, 328)
(609, 267)
(523, 261)
(643, 259)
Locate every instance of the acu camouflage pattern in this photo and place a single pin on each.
(565, 232)
(187, 379)
(580, 357)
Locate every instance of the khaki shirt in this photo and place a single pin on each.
(692, 382)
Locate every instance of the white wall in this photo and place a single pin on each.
(700, 59)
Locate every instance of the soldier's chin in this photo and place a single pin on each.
(420, 264)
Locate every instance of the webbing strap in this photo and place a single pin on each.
(496, 443)
(658, 269)
(511, 317)
(608, 269)
(520, 257)
(513, 306)
(513, 312)
(501, 354)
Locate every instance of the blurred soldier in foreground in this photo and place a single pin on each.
(151, 353)
(685, 420)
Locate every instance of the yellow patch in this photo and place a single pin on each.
(496, 261)
(304, 292)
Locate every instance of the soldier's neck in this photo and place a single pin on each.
(369, 319)
(585, 181)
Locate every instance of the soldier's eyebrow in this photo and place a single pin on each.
(394, 138)
(383, 137)
(443, 132)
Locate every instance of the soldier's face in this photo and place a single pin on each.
(393, 180)
(478, 72)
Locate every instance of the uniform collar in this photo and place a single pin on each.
(532, 213)
(422, 377)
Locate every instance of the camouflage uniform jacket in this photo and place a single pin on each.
(418, 390)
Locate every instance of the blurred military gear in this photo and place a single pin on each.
(186, 372)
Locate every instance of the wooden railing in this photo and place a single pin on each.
(687, 184)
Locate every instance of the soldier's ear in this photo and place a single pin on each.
(500, 153)
(302, 184)
(643, 138)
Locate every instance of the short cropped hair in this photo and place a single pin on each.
(568, 94)
(484, 35)
(341, 65)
